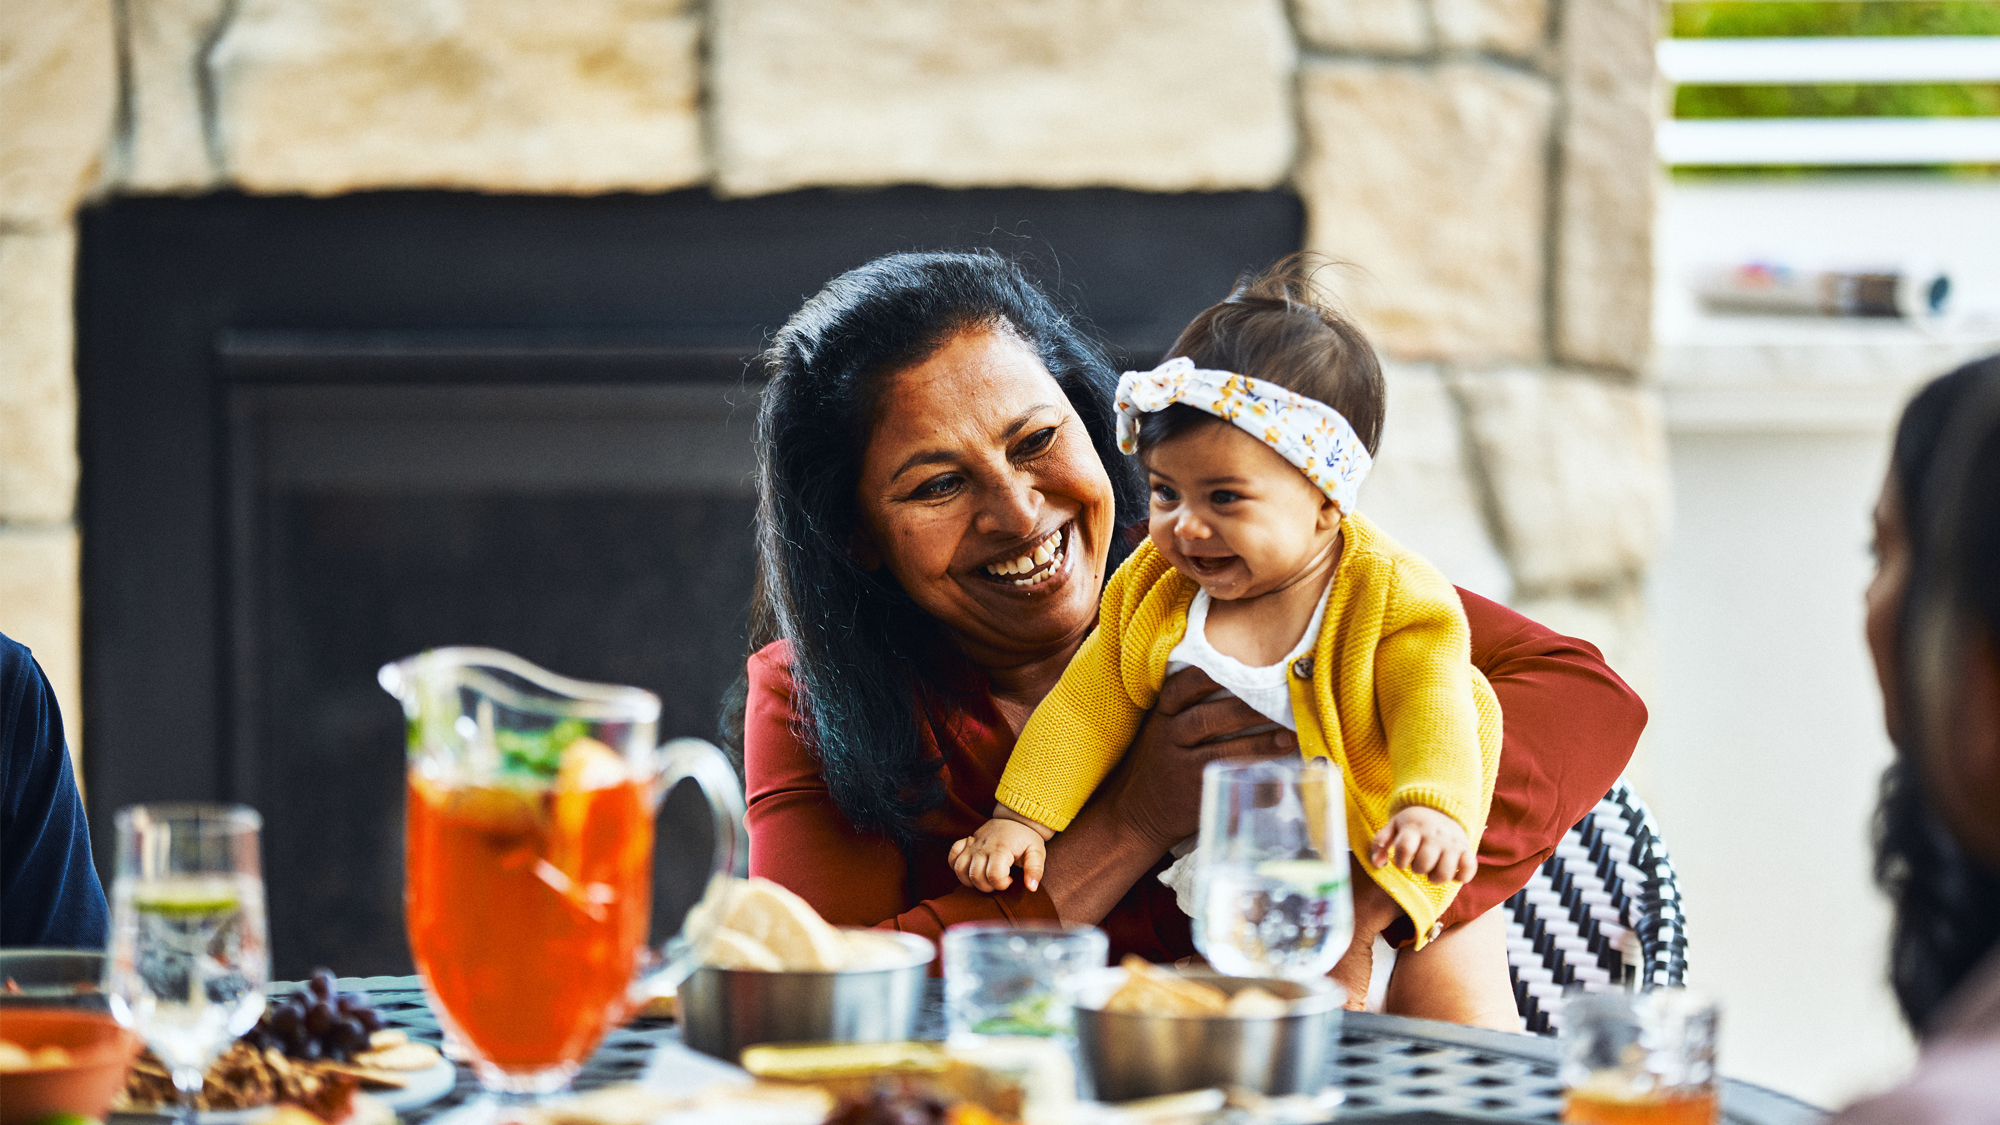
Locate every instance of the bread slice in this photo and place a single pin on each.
(731, 950)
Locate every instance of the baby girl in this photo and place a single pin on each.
(1255, 438)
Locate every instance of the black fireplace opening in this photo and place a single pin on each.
(318, 435)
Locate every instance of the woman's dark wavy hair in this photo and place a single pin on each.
(863, 654)
(1946, 466)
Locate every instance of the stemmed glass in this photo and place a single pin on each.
(1271, 873)
(189, 960)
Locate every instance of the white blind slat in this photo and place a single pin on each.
(1955, 58)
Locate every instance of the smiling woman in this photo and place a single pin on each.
(941, 499)
(898, 459)
(982, 497)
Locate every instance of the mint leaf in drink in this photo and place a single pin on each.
(538, 752)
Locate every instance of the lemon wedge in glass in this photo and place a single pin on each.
(1312, 876)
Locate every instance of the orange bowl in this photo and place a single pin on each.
(100, 1052)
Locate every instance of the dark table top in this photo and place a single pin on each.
(1392, 1069)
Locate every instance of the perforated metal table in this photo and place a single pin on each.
(1393, 1069)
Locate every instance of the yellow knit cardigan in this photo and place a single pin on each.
(1403, 712)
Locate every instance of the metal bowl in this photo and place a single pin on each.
(726, 1010)
(1130, 1055)
(52, 978)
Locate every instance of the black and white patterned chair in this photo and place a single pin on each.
(1603, 913)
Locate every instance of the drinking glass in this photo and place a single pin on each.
(1271, 873)
(1639, 1058)
(189, 960)
(530, 807)
(1001, 978)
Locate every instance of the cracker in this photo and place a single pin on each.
(1151, 990)
(405, 1057)
(370, 1077)
(1254, 1001)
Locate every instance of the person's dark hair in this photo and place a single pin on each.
(1279, 327)
(863, 654)
(1946, 465)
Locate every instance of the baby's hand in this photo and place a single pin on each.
(1427, 843)
(986, 858)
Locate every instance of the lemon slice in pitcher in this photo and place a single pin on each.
(589, 764)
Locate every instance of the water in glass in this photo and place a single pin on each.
(189, 958)
(1272, 870)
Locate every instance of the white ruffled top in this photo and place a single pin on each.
(1267, 689)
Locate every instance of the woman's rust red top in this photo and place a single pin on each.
(1570, 727)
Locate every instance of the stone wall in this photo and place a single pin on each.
(1481, 170)
(58, 93)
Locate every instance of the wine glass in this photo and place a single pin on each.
(1271, 872)
(189, 960)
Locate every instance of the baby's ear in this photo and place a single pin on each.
(1329, 513)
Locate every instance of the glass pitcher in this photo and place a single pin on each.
(530, 807)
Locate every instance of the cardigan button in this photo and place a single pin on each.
(1303, 667)
(1436, 929)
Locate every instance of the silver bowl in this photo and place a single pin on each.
(1130, 1055)
(726, 1010)
(53, 978)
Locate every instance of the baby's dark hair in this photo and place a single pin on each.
(1279, 327)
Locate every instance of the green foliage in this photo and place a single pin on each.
(537, 752)
(1029, 1015)
(1756, 18)
(1718, 19)
(1916, 99)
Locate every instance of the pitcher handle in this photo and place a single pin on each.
(692, 759)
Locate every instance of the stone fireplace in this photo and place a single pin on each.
(1482, 169)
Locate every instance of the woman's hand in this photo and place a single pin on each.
(1156, 790)
(1153, 799)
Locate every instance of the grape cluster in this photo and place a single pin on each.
(317, 1022)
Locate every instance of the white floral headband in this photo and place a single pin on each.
(1310, 434)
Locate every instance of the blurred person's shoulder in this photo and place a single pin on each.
(1957, 1078)
(1954, 1084)
(1973, 1010)
(17, 666)
(22, 701)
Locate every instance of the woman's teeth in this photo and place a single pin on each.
(1046, 554)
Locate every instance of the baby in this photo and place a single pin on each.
(1255, 438)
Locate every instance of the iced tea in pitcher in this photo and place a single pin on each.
(531, 800)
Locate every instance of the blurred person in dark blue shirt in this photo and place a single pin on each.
(49, 893)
